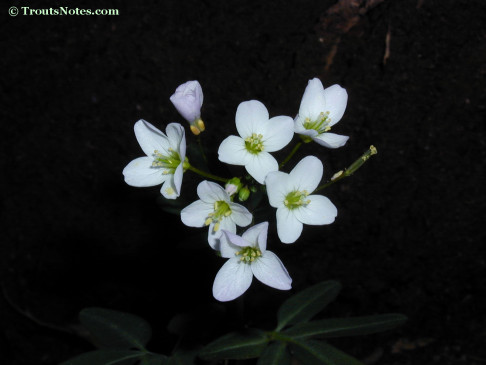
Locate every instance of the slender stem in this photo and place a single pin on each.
(204, 173)
(351, 169)
(201, 149)
(287, 159)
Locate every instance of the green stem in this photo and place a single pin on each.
(287, 159)
(188, 166)
(351, 169)
(201, 148)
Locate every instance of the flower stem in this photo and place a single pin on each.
(188, 166)
(287, 159)
(201, 148)
(351, 169)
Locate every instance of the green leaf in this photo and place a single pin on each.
(105, 357)
(275, 354)
(236, 345)
(316, 352)
(154, 359)
(304, 305)
(340, 327)
(115, 330)
(183, 358)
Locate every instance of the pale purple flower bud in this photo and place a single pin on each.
(231, 189)
(188, 99)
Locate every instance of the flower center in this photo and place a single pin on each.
(296, 199)
(321, 124)
(168, 163)
(221, 211)
(254, 143)
(249, 254)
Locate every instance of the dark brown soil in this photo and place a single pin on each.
(409, 236)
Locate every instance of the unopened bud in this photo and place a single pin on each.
(336, 175)
(233, 186)
(243, 194)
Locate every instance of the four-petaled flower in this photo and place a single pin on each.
(290, 194)
(216, 210)
(259, 135)
(319, 110)
(247, 257)
(188, 100)
(164, 161)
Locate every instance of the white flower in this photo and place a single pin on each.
(258, 137)
(289, 193)
(164, 161)
(216, 210)
(247, 257)
(319, 110)
(188, 100)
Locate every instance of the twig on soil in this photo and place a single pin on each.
(386, 56)
(338, 20)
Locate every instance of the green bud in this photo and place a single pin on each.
(243, 194)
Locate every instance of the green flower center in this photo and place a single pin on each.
(254, 143)
(296, 199)
(249, 254)
(221, 211)
(321, 124)
(168, 163)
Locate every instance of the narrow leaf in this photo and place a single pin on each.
(340, 327)
(105, 357)
(320, 353)
(116, 330)
(236, 345)
(275, 354)
(154, 360)
(183, 358)
(304, 305)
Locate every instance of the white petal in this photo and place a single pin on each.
(236, 240)
(177, 138)
(240, 215)
(313, 102)
(249, 116)
(226, 247)
(150, 138)
(233, 151)
(211, 192)
(336, 100)
(288, 227)
(168, 189)
(177, 179)
(270, 271)
(277, 188)
(319, 211)
(232, 280)
(331, 140)
(277, 133)
(260, 165)
(299, 129)
(140, 173)
(307, 174)
(257, 236)
(214, 237)
(195, 214)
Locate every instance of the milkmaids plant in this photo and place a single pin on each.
(226, 207)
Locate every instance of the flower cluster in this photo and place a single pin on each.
(291, 193)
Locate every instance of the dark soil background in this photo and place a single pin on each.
(409, 236)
